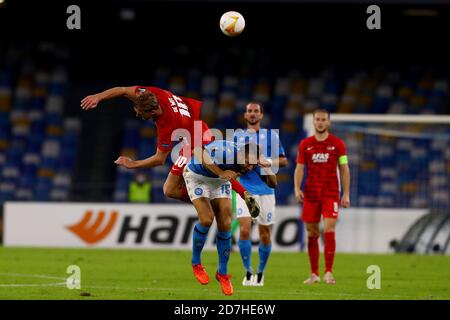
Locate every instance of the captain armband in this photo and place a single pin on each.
(343, 160)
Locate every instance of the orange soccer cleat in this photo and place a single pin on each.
(225, 283)
(200, 273)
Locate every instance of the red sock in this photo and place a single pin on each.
(238, 187)
(313, 252)
(330, 248)
(184, 195)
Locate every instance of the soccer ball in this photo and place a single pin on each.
(232, 23)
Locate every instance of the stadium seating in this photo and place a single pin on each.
(381, 180)
(38, 145)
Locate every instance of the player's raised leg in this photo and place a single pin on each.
(329, 248)
(313, 252)
(199, 236)
(250, 202)
(174, 186)
(222, 209)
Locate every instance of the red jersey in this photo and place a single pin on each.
(321, 159)
(178, 112)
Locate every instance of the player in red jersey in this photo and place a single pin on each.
(322, 154)
(169, 112)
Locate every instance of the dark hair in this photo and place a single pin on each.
(261, 107)
(250, 146)
(321, 110)
(146, 101)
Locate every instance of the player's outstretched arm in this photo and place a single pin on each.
(92, 101)
(158, 159)
(344, 171)
(298, 178)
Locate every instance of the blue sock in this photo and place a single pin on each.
(223, 249)
(245, 248)
(264, 252)
(198, 241)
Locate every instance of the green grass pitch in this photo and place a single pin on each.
(32, 273)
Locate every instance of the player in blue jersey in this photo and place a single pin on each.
(211, 196)
(264, 193)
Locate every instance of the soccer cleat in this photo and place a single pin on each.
(200, 273)
(225, 283)
(258, 279)
(248, 279)
(314, 278)
(328, 278)
(252, 205)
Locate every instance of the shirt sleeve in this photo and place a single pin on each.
(301, 153)
(281, 152)
(164, 139)
(342, 152)
(341, 148)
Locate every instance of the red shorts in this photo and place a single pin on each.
(312, 211)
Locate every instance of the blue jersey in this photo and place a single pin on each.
(223, 154)
(271, 147)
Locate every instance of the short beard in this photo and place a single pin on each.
(254, 122)
(323, 131)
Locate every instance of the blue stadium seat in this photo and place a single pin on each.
(37, 103)
(7, 191)
(123, 182)
(42, 189)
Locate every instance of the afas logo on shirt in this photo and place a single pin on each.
(320, 157)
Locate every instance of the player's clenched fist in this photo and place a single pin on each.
(90, 102)
(299, 196)
(345, 202)
(126, 162)
(264, 162)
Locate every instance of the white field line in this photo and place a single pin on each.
(40, 276)
(289, 293)
(32, 284)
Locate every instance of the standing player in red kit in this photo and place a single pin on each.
(322, 154)
(169, 113)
